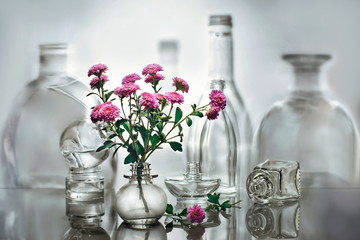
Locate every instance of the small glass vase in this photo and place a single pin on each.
(140, 202)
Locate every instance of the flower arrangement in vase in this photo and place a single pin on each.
(141, 123)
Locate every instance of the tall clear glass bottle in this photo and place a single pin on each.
(310, 127)
(221, 68)
(30, 151)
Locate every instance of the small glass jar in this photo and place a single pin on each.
(140, 202)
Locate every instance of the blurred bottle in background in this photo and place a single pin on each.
(221, 69)
(30, 154)
(310, 127)
(168, 51)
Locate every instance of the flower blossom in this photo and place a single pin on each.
(217, 99)
(195, 214)
(158, 97)
(148, 100)
(152, 69)
(97, 83)
(131, 78)
(174, 97)
(180, 84)
(126, 90)
(212, 113)
(153, 78)
(97, 69)
(106, 112)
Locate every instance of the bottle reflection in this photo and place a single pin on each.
(152, 232)
(264, 221)
(85, 219)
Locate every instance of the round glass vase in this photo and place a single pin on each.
(140, 202)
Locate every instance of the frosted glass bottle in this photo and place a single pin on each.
(309, 127)
(221, 68)
(30, 151)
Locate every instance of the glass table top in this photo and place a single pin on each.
(325, 213)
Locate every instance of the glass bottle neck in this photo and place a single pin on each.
(220, 53)
(217, 85)
(53, 59)
(307, 81)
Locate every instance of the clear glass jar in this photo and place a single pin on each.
(30, 142)
(221, 68)
(140, 202)
(310, 127)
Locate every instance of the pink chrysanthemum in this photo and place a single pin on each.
(158, 97)
(97, 69)
(126, 90)
(154, 78)
(195, 214)
(218, 99)
(174, 97)
(106, 112)
(212, 113)
(131, 78)
(152, 69)
(97, 83)
(180, 84)
(148, 100)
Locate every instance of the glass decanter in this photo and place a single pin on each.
(140, 202)
(78, 144)
(311, 128)
(221, 68)
(30, 142)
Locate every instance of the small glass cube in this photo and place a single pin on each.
(274, 181)
(268, 221)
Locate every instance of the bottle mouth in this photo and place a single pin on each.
(306, 61)
(220, 20)
(47, 46)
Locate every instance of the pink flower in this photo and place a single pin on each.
(152, 69)
(131, 78)
(126, 90)
(153, 78)
(212, 113)
(218, 99)
(106, 112)
(148, 100)
(158, 97)
(195, 214)
(174, 97)
(97, 69)
(180, 84)
(97, 83)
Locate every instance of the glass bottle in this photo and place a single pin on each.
(310, 127)
(221, 68)
(140, 202)
(30, 142)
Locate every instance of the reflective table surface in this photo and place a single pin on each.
(326, 213)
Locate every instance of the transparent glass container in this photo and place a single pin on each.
(274, 181)
(221, 68)
(78, 144)
(218, 155)
(140, 202)
(310, 127)
(30, 143)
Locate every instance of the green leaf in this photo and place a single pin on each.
(169, 227)
(180, 128)
(92, 93)
(176, 146)
(119, 122)
(198, 114)
(139, 148)
(213, 198)
(178, 115)
(112, 136)
(108, 95)
(116, 150)
(163, 103)
(193, 107)
(169, 209)
(154, 139)
(166, 119)
(107, 144)
(183, 213)
(188, 121)
(143, 132)
(130, 158)
(225, 205)
(126, 125)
